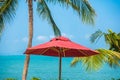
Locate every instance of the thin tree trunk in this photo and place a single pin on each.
(26, 64)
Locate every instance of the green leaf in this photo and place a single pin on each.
(35, 78)
(44, 11)
(112, 57)
(96, 36)
(82, 7)
(7, 12)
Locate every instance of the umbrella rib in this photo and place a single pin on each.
(44, 51)
(56, 50)
(64, 51)
(82, 52)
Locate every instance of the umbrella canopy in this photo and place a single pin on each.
(61, 47)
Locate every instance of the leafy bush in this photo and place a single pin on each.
(10, 79)
(35, 78)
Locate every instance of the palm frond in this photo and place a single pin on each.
(95, 62)
(95, 36)
(44, 11)
(82, 7)
(1, 25)
(119, 34)
(112, 57)
(75, 61)
(7, 12)
(113, 39)
(91, 63)
(87, 12)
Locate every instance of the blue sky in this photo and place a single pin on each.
(15, 36)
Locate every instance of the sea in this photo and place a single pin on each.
(46, 68)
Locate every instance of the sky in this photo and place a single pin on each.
(15, 36)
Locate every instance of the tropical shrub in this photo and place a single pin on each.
(35, 78)
(10, 79)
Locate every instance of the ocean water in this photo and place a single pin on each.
(46, 68)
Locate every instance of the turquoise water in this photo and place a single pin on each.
(46, 68)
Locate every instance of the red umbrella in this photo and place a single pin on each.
(61, 47)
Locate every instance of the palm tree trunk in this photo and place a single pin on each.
(26, 64)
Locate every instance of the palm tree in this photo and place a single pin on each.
(30, 26)
(111, 56)
(7, 12)
(82, 7)
(111, 38)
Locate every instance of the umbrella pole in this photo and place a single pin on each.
(60, 68)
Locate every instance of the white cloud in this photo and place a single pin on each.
(52, 36)
(66, 35)
(63, 34)
(42, 38)
(25, 39)
(87, 36)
